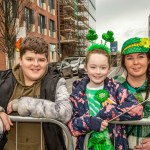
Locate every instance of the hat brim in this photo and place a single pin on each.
(136, 49)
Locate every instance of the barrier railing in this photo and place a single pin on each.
(68, 141)
(142, 122)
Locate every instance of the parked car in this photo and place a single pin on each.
(64, 68)
(81, 71)
(74, 62)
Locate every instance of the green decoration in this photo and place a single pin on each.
(108, 37)
(102, 95)
(136, 45)
(92, 36)
(100, 141)
(99, 46)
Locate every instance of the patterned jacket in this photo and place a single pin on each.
(82, 123)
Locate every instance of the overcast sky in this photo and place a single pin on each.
(126, 18)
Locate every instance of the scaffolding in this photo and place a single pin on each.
(73, 27)
(83, 26)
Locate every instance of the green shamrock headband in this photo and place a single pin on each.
(92, 36)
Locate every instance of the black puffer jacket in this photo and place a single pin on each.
(53, 134)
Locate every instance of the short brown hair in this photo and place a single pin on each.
(35, 44)
(97, 51)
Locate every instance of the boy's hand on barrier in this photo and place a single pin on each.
(6, 121)
(9, 108)
(144, 145)
(104, 125)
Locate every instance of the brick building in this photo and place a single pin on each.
(39, 19)
(2, 61)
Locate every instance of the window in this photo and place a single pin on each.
(10, 8)
(51, 6)
(41, 23)
(51, 28)
(42, 4)
(53, 51)
(28, 18)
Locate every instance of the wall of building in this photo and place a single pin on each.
(34, 30)
(92, 14)
(2, 61)
(49, 16)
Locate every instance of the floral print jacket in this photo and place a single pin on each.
(82, 123)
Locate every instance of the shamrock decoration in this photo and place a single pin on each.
(91, 36)
(108, 37)
(101, 95)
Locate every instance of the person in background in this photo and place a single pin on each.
(136, 78)
(97, 99)
(33, 88)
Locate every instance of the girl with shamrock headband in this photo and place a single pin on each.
(97, 99)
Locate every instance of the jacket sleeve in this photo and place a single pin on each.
(124, 101)
(60, 110)
(82, 123)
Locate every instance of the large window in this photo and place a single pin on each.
(28, 18)
(42, 4)
(51, 6)
(42, 23)
(51, 28)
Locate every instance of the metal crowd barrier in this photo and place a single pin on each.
(143, 122)
(68, 141)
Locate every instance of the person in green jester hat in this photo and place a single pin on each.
(136, 78)
(97, 99)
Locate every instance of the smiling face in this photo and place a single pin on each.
(136, 64)
(33, 66)
(97, 68)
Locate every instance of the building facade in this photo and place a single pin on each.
(38, 18)
(92, 14)
(41, 20)
(62, 23)
(76, 17)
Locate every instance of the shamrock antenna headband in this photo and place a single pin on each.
(92, 36)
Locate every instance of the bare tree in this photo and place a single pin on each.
(11, 16)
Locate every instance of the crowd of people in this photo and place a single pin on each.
(34, 88)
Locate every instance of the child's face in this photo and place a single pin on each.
(33, 66)
(97, 69)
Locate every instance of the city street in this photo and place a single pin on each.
(69, 83)
(113, 72)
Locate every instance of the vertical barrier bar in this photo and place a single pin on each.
(41, 136)
(69, 145)
(115, 137)
(16, 135)
(142, 138)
